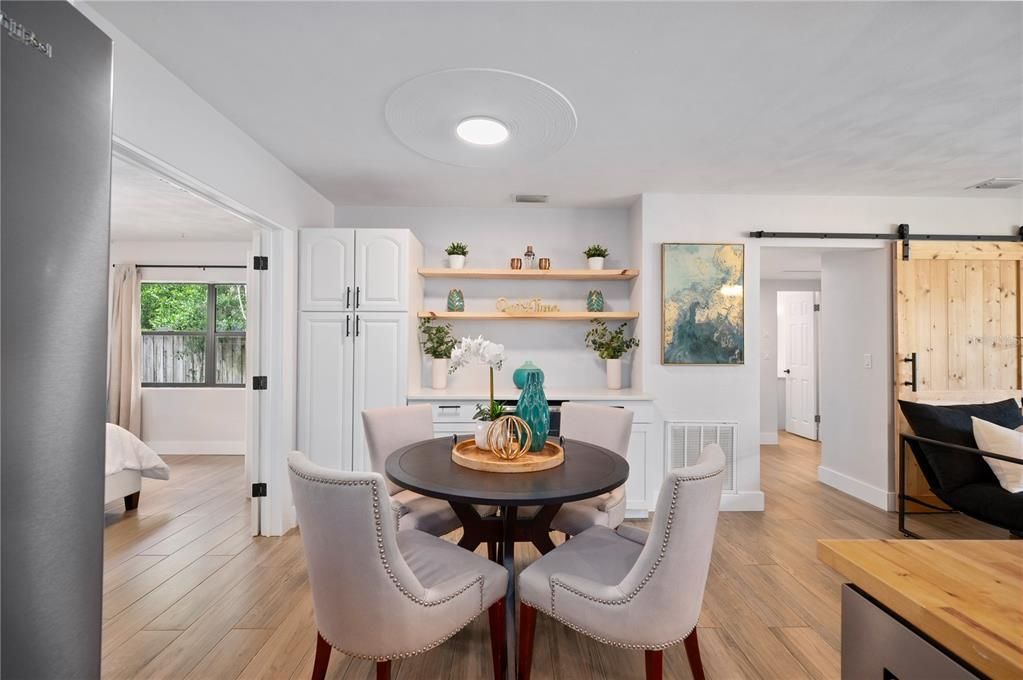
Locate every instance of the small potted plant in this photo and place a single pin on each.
(456, 254)
(610, 346)
(491, 354)
(595, 255)
(437, 343)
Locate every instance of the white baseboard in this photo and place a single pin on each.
(744, 501)
(769, 438)
(198, 448)
(876, 496)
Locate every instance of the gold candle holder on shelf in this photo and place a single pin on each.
(545, 263)
(516, 263)
(509, 437)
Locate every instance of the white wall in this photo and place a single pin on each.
(190, 419)
(856, 402)
(156, 112)
(771, 386)
(494, 236)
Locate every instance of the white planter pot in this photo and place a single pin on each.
(456, 261)
(439, 376)
(482, 427)
(595, 262)
(614, 374)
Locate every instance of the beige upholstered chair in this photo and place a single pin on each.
(611, 429)
(629, 588)
(389, 429)
(379, 593)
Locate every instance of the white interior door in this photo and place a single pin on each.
(254, 399)
(380, 370)
(325, 388)
(800, 362)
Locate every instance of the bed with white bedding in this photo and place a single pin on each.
(128, 461)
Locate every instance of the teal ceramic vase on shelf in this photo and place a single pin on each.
(519, 376)
(595, 301)
(456, 301)
(533, 409)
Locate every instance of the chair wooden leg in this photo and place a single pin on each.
(497, 637)
(384, 670)
(322, 658)
(654, 664)
(527, 626)
(692, 644)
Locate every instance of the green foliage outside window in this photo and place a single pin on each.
(174, 306)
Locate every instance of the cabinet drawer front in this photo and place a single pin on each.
(453, 412)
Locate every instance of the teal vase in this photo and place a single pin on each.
(519, 376)
(533, 409)
(456, 301)
(595, 301)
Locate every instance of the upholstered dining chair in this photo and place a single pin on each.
(389, 429)
(380, 593)
(630, 588)
(610, 428)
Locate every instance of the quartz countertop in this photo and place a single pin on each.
(554, 393)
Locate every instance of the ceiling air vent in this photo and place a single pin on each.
(998, 183)
(531, 198)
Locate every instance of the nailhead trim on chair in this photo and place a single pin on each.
(392, 576)
(554, 582)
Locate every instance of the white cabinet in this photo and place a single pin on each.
(326, 270)
(356, 292)
(381, 272)
(381, 377)
(325, 396)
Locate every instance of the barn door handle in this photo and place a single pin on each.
(911, 360)
(786, 371)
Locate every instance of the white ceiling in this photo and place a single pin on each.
(144, 207)
(786, 98)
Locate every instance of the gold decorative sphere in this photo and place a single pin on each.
(509, 437)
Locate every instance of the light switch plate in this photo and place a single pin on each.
(868, 361)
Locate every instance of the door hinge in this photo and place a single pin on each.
(259, 490)
(259, 382)
(816, 419)
(817, 307)
(260, 263)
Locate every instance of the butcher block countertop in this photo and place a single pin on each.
(965, 595)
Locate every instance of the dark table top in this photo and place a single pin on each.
(426, 467)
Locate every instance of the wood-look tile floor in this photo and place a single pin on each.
(189, 594)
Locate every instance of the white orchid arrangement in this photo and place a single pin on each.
(485, 352)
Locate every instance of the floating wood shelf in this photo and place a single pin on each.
(528, 274)
(549, 316)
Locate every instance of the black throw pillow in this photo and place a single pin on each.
(952, 424)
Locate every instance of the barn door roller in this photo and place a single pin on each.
(901, 234)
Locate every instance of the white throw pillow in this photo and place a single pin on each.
(998, 439)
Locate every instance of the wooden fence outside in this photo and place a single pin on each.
(182, 359)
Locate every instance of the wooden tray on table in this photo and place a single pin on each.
(466, 454)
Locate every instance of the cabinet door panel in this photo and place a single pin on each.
(381, 272)
(325, 388)
(380, 370)
(326, 265)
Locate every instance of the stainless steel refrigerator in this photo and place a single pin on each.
(55, 134)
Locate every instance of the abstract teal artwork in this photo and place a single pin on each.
(702, 303)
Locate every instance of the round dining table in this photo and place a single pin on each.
(426, 467)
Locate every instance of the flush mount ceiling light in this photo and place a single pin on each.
(482, 131)
(500, 119)
(998, 183)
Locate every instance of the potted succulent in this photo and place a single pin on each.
(456, 254)
(595, 255)
(491, 354)
(610, 346)
(437, 343)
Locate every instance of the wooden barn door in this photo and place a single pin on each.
(957, 306)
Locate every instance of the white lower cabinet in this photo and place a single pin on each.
(348, 362)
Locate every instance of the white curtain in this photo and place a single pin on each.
(124, 389)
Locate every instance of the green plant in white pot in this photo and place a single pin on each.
(490, 354)
(437, 343)
(456, 254)
(610, 346)
(595, 256)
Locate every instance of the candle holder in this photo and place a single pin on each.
(516, 263)
(545, 263)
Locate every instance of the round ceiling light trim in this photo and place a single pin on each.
(482, 131)
(423, 112)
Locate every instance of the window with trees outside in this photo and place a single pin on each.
(193, 334)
